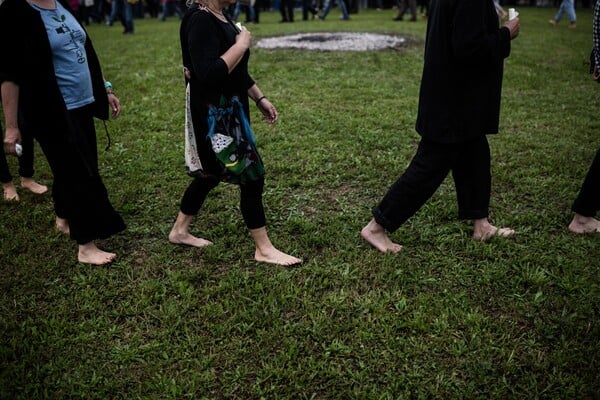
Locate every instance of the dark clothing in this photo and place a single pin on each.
(67, 138)
(250, 199)
(404, 7)
(470, 166)
(307, 6)
(462, 74)
(587, 202)
(204, 39)
(25, 160)
(79, 197)
(286, 9)
(459, 104)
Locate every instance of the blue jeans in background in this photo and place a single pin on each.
(566, 6)
(122, 9)
(329, 4)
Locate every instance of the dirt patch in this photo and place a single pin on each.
(334, 41)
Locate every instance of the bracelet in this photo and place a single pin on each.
(108, 86)
(257, 102)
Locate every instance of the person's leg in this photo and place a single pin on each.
(179, 11)
(253, 212)
(473, 182)
(81, 199)
(290, 10)
(9, 189)
(587, 203)
(472, 179)
(413, 9)
(282, 11)
(191, 202)
(165, 10)
(425, 173)
(256, 8)
(235, 14)
(114, 12)
(326, 9)
(561, 11)
(128, 16)
(570, 9)
(402, 8)
(26, 165)
(305, 7)
(344, 9)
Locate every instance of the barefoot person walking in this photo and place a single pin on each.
(587, 203)
(215, 55)
(459, 104)
(50, 77)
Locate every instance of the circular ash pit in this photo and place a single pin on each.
(333, 41)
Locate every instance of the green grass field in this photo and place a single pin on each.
(447, 318)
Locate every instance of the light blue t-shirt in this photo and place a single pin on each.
(67, 40)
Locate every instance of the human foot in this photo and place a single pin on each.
(375, 234)
(62, 225)
(483, 231)
(90, 254)
(33, 186)
(10, 192)
(188, 239)
(273, 256)
(581, 224)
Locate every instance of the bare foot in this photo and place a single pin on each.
(10, 192)
(375, 234)
(581, 224)
(187, 239)
(33, 186)
(266, 252)
(62, 225)
(90, 254)
(273, 256)
(483, 231)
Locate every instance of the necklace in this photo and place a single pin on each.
(216, 13)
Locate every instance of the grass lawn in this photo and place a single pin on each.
(447, 318)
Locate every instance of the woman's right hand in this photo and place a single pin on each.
(514, 26)
(11, 138)
(244, 38)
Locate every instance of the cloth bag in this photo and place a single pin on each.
(193, 165)
(231, 140)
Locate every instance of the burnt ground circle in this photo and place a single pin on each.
(334, 41)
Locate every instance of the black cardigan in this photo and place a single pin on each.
(27, 60)
(462, 73)
(204, 39)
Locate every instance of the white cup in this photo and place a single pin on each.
(512, 13)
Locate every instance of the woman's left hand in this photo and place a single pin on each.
(115, 105)
(268, 111)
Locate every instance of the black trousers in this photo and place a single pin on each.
(470, 166)
(307, 6)
(587, 202)
(25, 161)
(78, 191)
(286, 8)
(250, 199)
